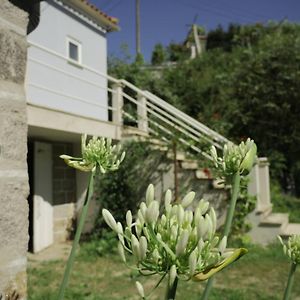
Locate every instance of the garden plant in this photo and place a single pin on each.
(176, 241)
(97, 155)
(292, 250)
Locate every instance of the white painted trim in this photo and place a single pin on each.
(41, 87)
(50, 119)
(46, 107)
(69, 74)
(81, 16)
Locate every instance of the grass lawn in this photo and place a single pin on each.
(260, 275)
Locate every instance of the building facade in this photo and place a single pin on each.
(66, 90)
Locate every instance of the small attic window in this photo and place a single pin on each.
(73, 51)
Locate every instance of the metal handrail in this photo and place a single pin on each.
(156, 111)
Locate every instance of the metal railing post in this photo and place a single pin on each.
(142, 113)
(117, 104)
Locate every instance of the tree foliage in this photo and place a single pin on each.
(245, 84)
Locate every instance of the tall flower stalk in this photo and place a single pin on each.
(292, 250)
(236, 161)
(172, 240)
(98, 153)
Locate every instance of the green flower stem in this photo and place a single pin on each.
(171, 290)
(71, 258)
(236, 179)
(235, 193)
(290, 282)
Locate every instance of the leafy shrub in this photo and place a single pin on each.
(123, 189)
(283, 202)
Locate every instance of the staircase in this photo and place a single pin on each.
(267, 225)
(152, 117)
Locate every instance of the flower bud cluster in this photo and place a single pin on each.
(292, 248)
(98, 152)
(236, 158)
(170, 238)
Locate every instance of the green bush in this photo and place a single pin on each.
(123, 189)
(285, 203)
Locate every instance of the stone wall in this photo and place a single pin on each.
(13, 151)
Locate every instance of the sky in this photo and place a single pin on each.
(169, 20)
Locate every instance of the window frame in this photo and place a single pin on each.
(79, 49)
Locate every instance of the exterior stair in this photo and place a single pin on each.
(191, 176)
(160, 121)
(289, 229)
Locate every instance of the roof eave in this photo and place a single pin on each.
(96, 16)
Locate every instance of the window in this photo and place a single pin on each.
(73, 51)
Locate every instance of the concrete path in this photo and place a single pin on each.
(54, 252)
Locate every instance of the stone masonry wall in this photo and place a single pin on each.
(64, 193)
(13, 151)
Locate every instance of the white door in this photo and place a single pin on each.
(42, 197)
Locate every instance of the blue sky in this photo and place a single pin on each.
(168, 20)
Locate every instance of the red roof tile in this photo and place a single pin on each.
(100, 12)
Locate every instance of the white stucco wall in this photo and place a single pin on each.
(46, 86)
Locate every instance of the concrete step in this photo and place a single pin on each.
(274, 219)
(203, 174)
(189, 164)
(264, 211)
(130, 131)
(180, 156)
(290, 229)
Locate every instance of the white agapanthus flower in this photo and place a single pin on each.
(292, 248)
(97, 153)
(171, 239)
(236, 158)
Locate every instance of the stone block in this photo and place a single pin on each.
(14, 214)
(13, 51)
(13, 131)
(13, 17)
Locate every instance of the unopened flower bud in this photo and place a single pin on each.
(193, 262)
(149, 194)
(209, 226)
(140, 289)
(200, 245)
(141, 217)
(152, 212)
(109, 219)
(203, 206)
(188, 199)
(202, 228)
(182, 242)
(119, 228)
(143, 247)
(143, 208)
(168, 197)
(180, 214)
(172, 274)
(135, 246)
(223, 244)
(129, 218)
(248, 161)
(213, 217)
(121, 252)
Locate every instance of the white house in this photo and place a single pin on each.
(66, 87)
